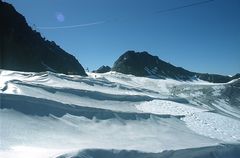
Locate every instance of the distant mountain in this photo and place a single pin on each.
(145, 65)
(103, 69)
(24, 49)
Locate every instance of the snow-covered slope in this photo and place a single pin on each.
(116, 115)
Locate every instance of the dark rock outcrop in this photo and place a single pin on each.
(236, 76)
(103, 69)
(215, 78)
(145, 65)
(23, 49)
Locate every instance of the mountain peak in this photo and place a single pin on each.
(146, 65)
(103, 69)
(24, 49)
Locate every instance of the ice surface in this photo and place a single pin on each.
(221, 151)
(168, 107)
(47, 115)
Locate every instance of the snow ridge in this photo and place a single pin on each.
(48, 115)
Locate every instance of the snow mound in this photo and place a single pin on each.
(221, 151)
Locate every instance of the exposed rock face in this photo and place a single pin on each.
(103, 69)
(215, 78)
(145, 65)
(236, 76)
(23, 49)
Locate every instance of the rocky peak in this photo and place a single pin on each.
(24, 49)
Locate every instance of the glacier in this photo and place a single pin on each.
(116, 115)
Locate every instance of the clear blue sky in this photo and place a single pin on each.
(201, 38)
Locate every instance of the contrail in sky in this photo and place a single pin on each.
(183, 6)
(71, 26)
(107, 21)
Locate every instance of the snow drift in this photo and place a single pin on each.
(116, 115)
